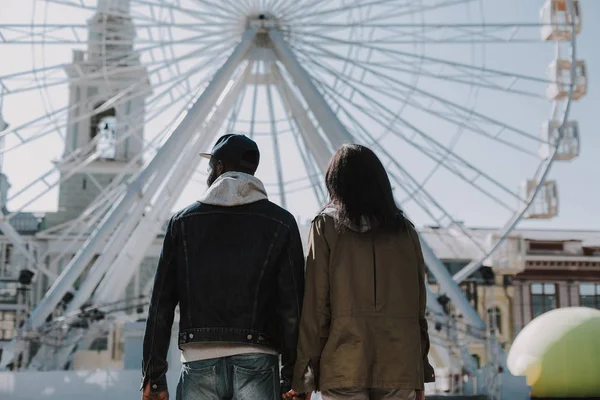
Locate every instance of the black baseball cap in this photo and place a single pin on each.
(238, 150)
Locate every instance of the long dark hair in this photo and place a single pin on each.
(359, 187)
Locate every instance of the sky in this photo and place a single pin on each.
(579, 187)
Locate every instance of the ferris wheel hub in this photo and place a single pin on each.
(263, 22)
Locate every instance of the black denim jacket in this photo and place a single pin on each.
(237, 274)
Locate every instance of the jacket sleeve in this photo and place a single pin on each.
(290, 292)
(160, 316)
(428, 371)
(316, 315)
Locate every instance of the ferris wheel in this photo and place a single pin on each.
(451, 94)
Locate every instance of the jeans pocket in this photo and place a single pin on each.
(197, 383)
(250, 384)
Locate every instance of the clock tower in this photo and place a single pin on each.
(106, 122)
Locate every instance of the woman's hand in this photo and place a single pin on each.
(292, 394)
(420, 395)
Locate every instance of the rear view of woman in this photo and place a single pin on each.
(363, 333)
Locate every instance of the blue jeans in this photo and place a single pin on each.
(241, 377)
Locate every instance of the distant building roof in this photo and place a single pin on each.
(452, 243)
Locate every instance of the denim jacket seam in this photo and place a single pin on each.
(262, 272)
(217, 329)
(279, 221)
(156, 307)
(291, 266)
(187, 281)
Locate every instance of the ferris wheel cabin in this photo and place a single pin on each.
(557, 20)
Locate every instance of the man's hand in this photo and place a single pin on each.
(148, 395)
(292, 394)
(420, 395)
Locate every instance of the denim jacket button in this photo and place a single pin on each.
(191, 335)
(155, 386)
(249, 337)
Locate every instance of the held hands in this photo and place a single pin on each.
(148, 395)
(295, 395)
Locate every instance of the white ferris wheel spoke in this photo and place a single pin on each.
(392, 91)
(393, 4)
(383, 108)
(192, 12)
(453, 105)
(276, 148)
(434, 60)
(462, 79)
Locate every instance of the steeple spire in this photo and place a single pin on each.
(114, 7)
(111, 34)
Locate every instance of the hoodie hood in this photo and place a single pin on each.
(234, 189)
(365, 224)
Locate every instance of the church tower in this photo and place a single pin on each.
(107, 95)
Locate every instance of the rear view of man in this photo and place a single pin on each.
(233, 261)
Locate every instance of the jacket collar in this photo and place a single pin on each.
(365, 224)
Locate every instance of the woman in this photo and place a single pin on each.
(363, 333)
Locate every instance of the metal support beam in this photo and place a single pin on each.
(316, 144)
(154, 172)
(454, 293)
(276, 148)
(329, 122)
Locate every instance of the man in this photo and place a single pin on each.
(233, 261)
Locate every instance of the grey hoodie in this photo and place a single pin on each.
(234, 189)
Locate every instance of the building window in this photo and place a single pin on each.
(546, 247)
(104, 125)
(7, 325)
(495, 319)
(543, 298)
(107, 138)
(589, 295)
(99, 344)
(477, 359)
(5, 270)
(8, 292)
